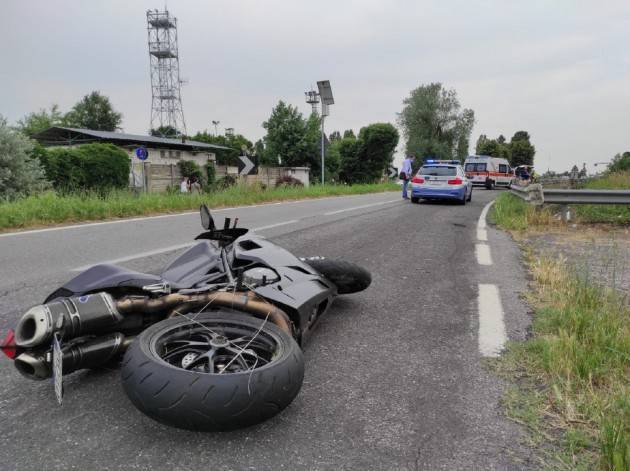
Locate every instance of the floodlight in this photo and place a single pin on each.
(325, 92)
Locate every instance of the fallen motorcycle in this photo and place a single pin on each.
(213, 343)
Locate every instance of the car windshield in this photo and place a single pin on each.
(476, 167)
(436, 171)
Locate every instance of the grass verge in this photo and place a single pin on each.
(512, 213)
(572, 377)
(609, 213)
(50, 208)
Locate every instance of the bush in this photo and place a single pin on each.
(100, 167)
(226, 182)
(20, 172)
(211, 173)
(287, 180)
(190, 169)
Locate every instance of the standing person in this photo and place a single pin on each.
(183, 186)
(195, 186)
(405, 174)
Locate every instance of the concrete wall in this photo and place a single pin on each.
(158, 177)
(168, 156)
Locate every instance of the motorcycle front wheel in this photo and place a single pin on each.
(215, 372)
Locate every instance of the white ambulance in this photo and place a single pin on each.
(488, 171)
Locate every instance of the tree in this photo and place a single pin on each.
(21, 174)
(334, 136)
(373, 152)
(41, 120)
(434, 124)
(235, 142)
(521, 149)
(164, 131)
(492, 147)
(349, 133)
(94, 111)
(620, 163)
(291, 140)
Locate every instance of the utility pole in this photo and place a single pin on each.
(313, 98)
(216, 124)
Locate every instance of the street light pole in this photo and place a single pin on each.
(323, 142)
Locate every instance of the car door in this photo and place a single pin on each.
(467, 180)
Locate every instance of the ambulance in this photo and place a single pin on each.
(488, 171)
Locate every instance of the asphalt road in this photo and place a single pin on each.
(394, 375)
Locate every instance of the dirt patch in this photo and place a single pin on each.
(600, 255)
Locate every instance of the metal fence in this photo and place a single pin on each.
(536, 194)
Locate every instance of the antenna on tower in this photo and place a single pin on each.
(167, 113)
(312, 98)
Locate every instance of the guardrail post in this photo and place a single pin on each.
(536, 195)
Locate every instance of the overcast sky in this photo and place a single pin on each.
(558, 69)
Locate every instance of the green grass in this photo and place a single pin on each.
(610, 214)
(51, 208)
(572, 375)
(512, 213)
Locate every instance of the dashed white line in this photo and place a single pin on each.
(359, 207)
(482, 251)
(172, 248)
(492, 336)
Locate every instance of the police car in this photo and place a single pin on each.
(441, 180)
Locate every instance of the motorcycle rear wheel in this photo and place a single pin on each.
(221, 371)
(347, 276)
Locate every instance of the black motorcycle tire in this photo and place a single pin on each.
(211, 402)
(346, 276)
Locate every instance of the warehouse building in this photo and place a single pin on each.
(159, 150)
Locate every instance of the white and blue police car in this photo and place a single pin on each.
(441, 180)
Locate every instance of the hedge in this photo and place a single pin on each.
(98, 167)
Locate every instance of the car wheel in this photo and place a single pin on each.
(470, 196)
(415, 200)
(490, 185)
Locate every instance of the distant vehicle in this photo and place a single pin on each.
(441, 180)
(488, 171)
(524, 172)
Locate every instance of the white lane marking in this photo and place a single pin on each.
(360, 207)
(483, 254)
(187, 213)
(170, 248)
(492, 336)
(292, 221)
(481, 224)
(482, 233)
(482, 251)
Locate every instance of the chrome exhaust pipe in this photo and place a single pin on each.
(33, 367)
(86, 355)
(76, 316)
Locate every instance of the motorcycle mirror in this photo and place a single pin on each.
(206, 218)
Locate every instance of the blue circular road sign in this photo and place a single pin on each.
(141, 153)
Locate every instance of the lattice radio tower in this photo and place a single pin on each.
(166, 99)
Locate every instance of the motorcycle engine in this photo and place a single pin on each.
(259, 276)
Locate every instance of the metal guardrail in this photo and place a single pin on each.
(536, 194)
